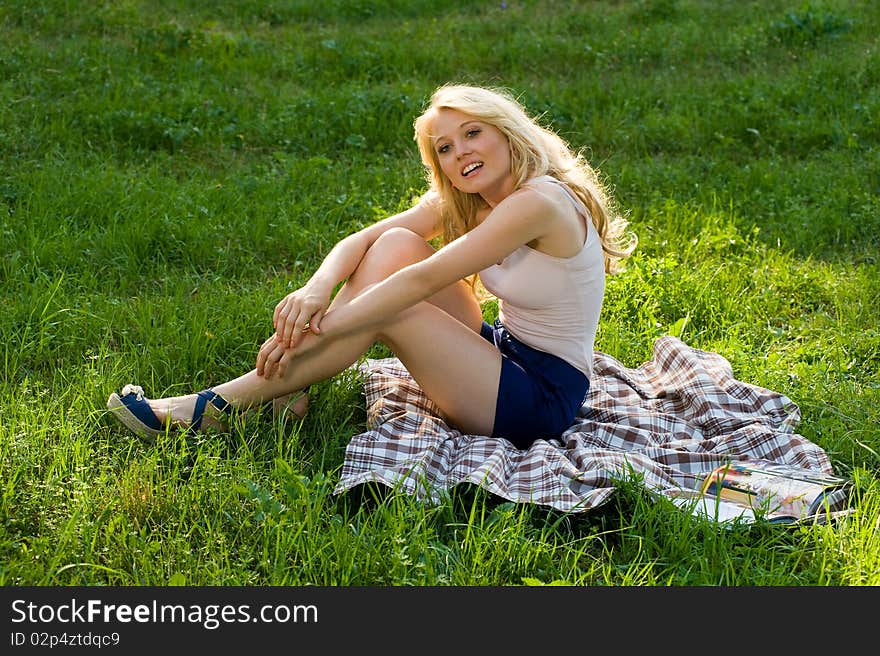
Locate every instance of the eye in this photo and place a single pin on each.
(473, 132)
(443, 149)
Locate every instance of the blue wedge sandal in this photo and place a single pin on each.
(133, 411)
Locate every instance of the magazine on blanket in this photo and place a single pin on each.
(777, 493)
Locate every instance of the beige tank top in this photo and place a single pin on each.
(552, 303)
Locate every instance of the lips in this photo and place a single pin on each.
(470, 168)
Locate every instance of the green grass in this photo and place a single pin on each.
(169, 169)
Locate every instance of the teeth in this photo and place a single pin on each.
(470, 167)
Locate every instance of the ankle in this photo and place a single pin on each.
(175, 410)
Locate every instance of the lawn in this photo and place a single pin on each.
(169, 170)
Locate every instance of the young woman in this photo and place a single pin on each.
(518, 210)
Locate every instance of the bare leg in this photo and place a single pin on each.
(392, 251)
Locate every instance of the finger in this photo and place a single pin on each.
(315, 323)
(272, 361)
(284, 331)
(285, 325)
(280, 319)
(263, 356)
(282, 363)
(279, 308)
(289, 308)
(298, 326)
(261, 360)
(285, 320)
(286, 358)
(283, 356)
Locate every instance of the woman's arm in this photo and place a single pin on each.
(521, 218)
(306, 306)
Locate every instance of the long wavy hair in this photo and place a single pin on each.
(535, 150)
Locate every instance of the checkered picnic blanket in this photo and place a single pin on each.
(671, 420)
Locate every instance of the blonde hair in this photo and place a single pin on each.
(535, 150)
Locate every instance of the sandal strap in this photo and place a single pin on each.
(132, 398)
(204, 397)
(218, 401)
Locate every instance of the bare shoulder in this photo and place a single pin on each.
(555, 197)
(564, 228)
(539, 202)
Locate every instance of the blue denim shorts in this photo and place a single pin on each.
(539, 394)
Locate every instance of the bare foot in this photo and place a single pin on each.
(295, 403)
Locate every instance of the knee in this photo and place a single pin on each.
(393, 250)
(400, 246)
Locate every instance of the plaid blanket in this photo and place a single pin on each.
(671, 420)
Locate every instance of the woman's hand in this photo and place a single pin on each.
(299, 311)
(270, 359)
(273, 357)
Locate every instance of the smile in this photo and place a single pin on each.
(470, 168)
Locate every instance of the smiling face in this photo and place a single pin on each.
(474, 155)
